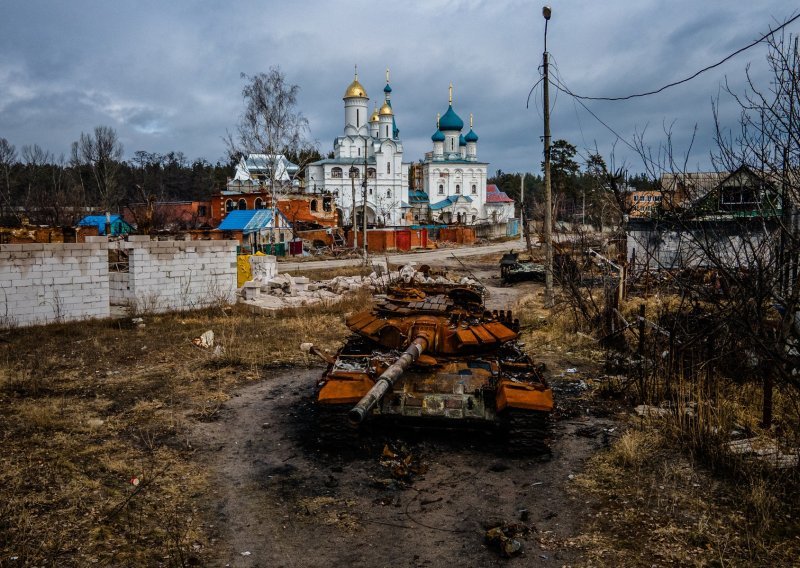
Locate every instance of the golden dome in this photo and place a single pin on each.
(386, 110)
(355, 90)
(374, 117)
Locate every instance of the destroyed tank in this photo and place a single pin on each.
(428, 354)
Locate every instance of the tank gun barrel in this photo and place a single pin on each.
(387, 379)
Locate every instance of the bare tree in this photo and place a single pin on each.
(35, 159)
(8, 157)
(732, 248)
(101, 151)
(270, 124)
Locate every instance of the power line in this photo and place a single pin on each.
(558, 84)
(689, 78)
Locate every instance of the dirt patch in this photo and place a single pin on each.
(287, 501)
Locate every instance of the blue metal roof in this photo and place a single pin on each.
(450, 120)
(417, 196)
(448, 201)
(471, 136)
(118, 225)
(247, 221)
(461, 141)
(438, 136)
(387, 88)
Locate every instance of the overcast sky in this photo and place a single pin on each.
(166, 75)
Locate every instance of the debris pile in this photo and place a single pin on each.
(401, 463)
(765, 451)
(505, 538)
(287, 291)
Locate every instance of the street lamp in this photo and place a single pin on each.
(548, 198)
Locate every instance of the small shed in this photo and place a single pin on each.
(253, 227)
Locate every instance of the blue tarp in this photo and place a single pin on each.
(118, 226)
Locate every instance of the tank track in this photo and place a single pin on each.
(526, 431)
(334, 429)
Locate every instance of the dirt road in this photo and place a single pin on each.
(283, 499)
(429, 256)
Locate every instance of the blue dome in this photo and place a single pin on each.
(471, 136)
(387, 88)
(438, 136)
(450, 120)
(461, 141)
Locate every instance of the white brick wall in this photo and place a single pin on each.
(43, 283)
(175, 275)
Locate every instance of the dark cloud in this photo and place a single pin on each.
(166, 76)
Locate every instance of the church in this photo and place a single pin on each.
(453, 185)
(453, 178)
(370, 151)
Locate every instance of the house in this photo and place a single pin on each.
(309, 211)
(255, 169)
(499, 206)
(255, 227)
(228, 200)
(642, 203)
(728, 218)
(118, 224)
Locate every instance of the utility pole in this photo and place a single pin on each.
(522, 207)
(353, 211)
(364, 205)
(548, 198)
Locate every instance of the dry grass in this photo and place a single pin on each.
(655, 505)
(549, 333)
(86, 408)
(666, 493)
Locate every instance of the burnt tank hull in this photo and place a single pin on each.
(466, 371)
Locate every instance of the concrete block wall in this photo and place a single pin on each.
(175, 275)
(44, 283)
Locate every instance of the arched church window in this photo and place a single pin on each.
(441, 189)
(313, 204)
(388, 167)
(474, 189)
(359, 150)
(336, 172)
(358, 117)
(228, 206)
(388, 193)
(259, 203)
(452, 144)
(242, 205)
(371, 173)
(354, 172)
(370, 191)
(458, 188)
(474, 217)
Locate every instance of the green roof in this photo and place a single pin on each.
(450, 120)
